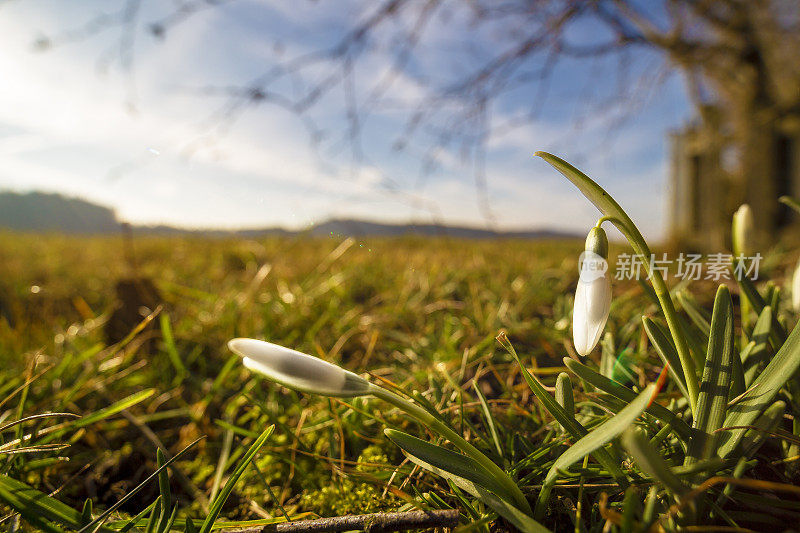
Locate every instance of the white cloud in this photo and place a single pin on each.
(69, 128)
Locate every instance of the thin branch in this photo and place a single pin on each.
(375, 523)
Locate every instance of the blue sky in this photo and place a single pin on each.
(67, 123)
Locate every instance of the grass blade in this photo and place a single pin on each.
(608, 354)
(171, 349)
(715, 385)
(791, 202)
(113, 409)
(99, 520)
(163, 487)
(487, 414)
(38, 508)
(219, 501)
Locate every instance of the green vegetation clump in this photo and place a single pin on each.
(420, 313)
(683, 414)
(344, 496)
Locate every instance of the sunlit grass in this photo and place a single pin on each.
(421, 314)
(416, 316)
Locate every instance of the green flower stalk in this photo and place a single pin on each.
(305, 373)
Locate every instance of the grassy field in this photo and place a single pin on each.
(420, 313)
(130, 348)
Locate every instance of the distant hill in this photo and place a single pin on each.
(362, 228)
(36, 211)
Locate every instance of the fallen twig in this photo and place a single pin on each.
(376, 522)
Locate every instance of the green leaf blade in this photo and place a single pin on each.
(594, 440)
(222, 497)
(447, 461)
(627, 395)
(712, 401)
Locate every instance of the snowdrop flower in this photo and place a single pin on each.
(796, 288)
(305, 373)
(593, 295)
(297, 370)
(743, 229)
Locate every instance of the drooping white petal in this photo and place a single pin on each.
(297, 370)
(592, 304)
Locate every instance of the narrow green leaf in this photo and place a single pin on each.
(152, 520)
(763, 325)
(791, 202)
(712, 401)
(649, 513)
(773, 297)
(86, 514)
(113, 409)
(607, 355)
(130, 524)
(762, 391)
(219, 501)
(748, 289)
(738, 471)
(666, 351)
(167, 524)
(651, 462)
(508, 511)
(487, 414)
(131, 493)
(598, 437)
(627, 395)
(171, 349)
(630, 505)
(696, 314)
(38, 508)
(737, 386)
(756, 354)
(763, 425)
(567, 420)
(163, 487)
(564, 395)
(188, 527)
(448, 461)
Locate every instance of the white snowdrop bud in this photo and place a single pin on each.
(796, 288)
(743, 231)
(297, 370)
(593, 295)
